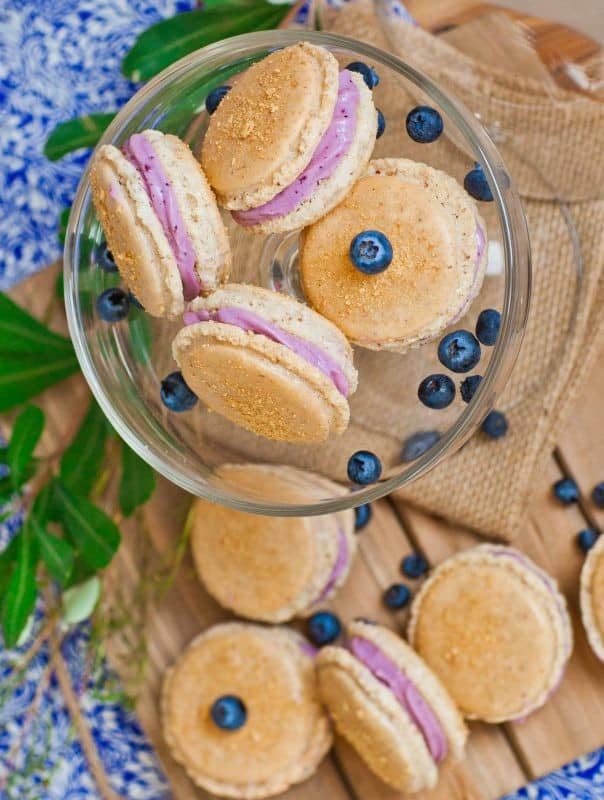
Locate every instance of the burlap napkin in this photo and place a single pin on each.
(552, 142)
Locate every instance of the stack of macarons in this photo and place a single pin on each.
(592, 597)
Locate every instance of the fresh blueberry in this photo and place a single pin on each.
(381, 125)
(175, 393)
(495, 424)
(436, 391)
(370, 252)
(104, 258)
(414, 565)
(597, 494)
(362, 516)
(397, 596)
(229, 712)
(323, 628)
(370, 76)
(476, 185)
(566, 491)
(487, 326)
(459, 351)
(587, 538)
(135, 301)
(417, 444)
(424, 124)
(215, 97)
(113, 305)
(364, 467)
(468, 387)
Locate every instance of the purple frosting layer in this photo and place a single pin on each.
(139, 151)
(248, 321)
(334, 144)
(405, 692)
(339, 566)
(308, 649)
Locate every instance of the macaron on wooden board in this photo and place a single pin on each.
(592, 597)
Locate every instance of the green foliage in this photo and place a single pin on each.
(24, 438)
(137, 482)
(56, 553)
(62, 229)
(81, 462)
(19, 596)
(76, 134)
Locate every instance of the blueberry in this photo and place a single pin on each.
(362, 516)
(215, 97)
(597, 494)
(587, 538)
(417, 444)
(414, 565)
(495, 424)
(323, 628)
(113, 305)
(175, 393)
(436, 391)
(487, 326)
(467, 388)
(370, 252)
(459, 351)
(364, 467)
(104, 258)
(476, 185)
(370, 76)
(381, 125)
(424, 124)
(135, 301)
(397, 596)
(566, 491)
(229, 712)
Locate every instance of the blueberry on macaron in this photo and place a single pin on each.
(459, 351)
(371, 252)
(487, 326)
(370, 76)
(323, 627)
(113, 305)
(215, 98)
(495, 424)
(424, 124)
(381, 124)
(175, 393)
(436, 391)
(364, 467)
(228, 712)
(477, 186)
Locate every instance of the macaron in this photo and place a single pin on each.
(245, 560)
(592, 597)
(390, 706)
(289, 139)
(240, 711)
(267, 363)
(438, 258)
(160, 220)
(495, 629)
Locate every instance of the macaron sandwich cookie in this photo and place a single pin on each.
(592, 597)
(247, 562)
(240, 711)
(430, 242)
(267, 363)
(161, 221)
(289, 139)
(390, 706)
(495, 629)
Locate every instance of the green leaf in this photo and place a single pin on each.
(47, 505)
(75, 134)
(60, 285)
(7, 561)
(140, 337)
(20, 595)
(79, 601)
(62, 228)
(23, 377)
(56, 553)
(171, 39)
(137, 483)
(21, 334)
(81, 462)
(26, 434)
(94, 534)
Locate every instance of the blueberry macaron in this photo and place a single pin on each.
(240, 711)
(160, 220)
(592, 597)
(245, 560)
(390, 706)
(495, 629)
(267, 363)
(429, 246)
(289, 139)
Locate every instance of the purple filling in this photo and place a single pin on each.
(331, 149)
(139, 151)
(339, 566)
(405, 691)
(248, 321)
(308, 649)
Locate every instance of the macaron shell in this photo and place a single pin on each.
(266, 129)
(334, 188)
(286, 732)
(592, 597)
(259, 384)
(366, 713)
(492, 632)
